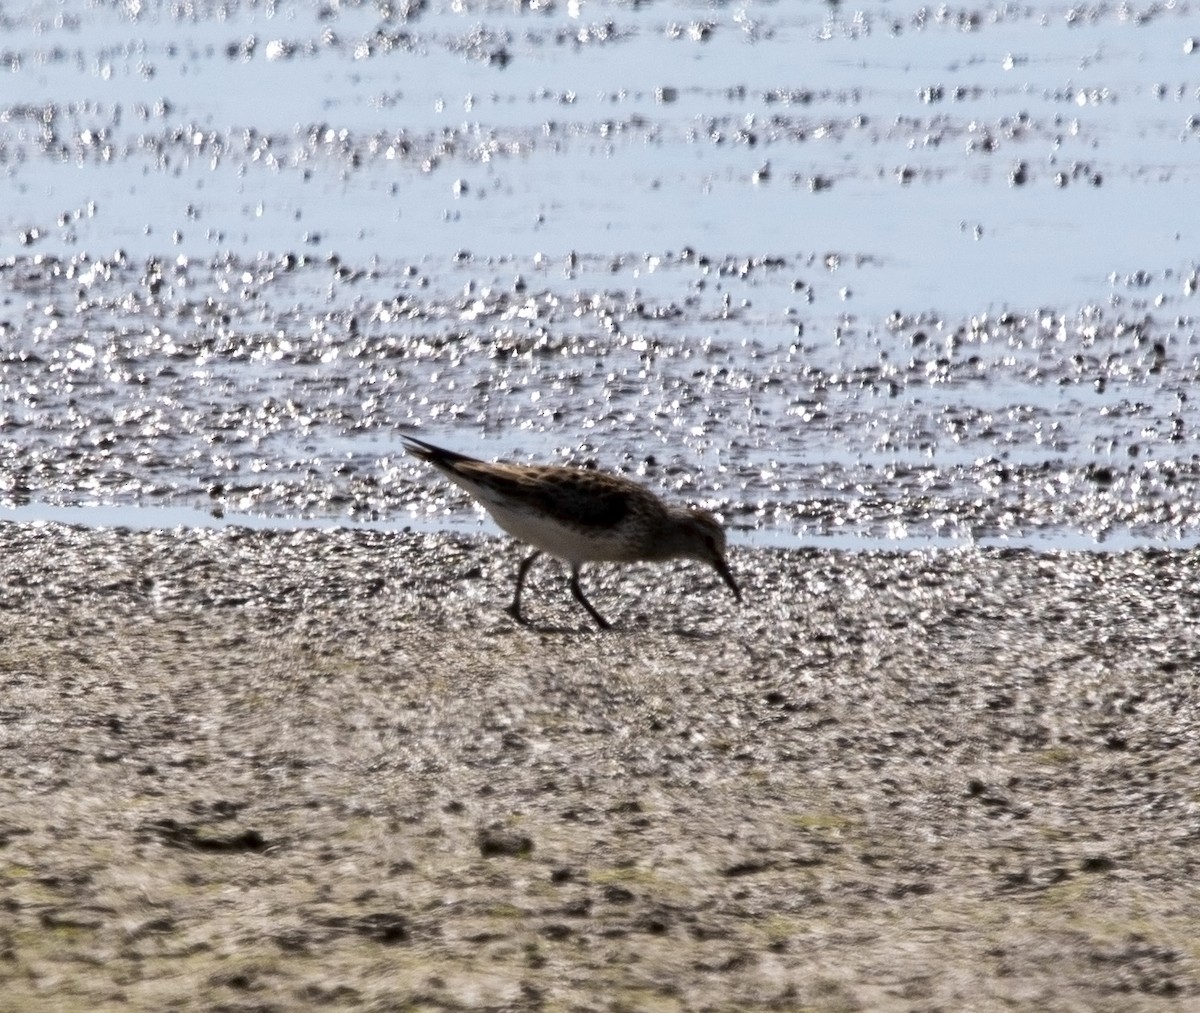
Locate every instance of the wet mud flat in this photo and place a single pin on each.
(298, 770)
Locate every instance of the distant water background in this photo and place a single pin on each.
(862, 275)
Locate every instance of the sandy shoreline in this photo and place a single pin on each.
(272, 770)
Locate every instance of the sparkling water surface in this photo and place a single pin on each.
(873, 275)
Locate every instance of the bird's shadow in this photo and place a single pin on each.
(690, 634)
(559, 629)
(640, 627)
(554, 628)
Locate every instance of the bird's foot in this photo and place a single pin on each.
(514, 610)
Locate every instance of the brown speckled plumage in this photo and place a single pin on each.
(580, 515)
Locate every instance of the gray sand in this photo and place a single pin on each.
(276, 771)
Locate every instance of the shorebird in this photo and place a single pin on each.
(581, 516)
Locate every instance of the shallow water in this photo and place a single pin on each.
(872, 275)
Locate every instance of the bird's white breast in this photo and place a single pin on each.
(576, 544)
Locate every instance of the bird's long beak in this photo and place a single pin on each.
(723, 569)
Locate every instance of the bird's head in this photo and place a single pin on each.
(698, 535)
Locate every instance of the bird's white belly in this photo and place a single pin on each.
(572, 543)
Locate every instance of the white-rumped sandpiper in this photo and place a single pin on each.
(581, 516)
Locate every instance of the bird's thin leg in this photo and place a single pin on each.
(514, 609)
(577, 591)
